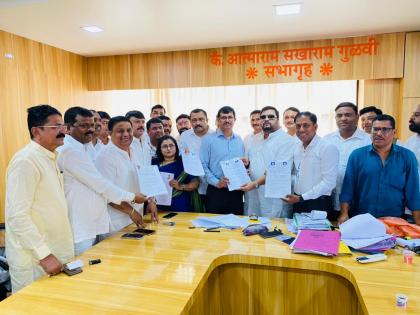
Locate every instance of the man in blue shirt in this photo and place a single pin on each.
(220, 146)
(381, 178)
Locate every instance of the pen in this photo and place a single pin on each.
(211, 230)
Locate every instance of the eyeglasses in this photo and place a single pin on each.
(384, 130)
(269, 117)
(55, 127)
(168, 146)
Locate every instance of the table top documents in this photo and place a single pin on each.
(160, 273)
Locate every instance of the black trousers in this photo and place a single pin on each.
(323, 203)
(223, 201)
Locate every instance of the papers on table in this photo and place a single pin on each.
(362, 231)
(151, 183)
(234, 169)
(228, 221)
(279, 179)
(165, 199)
(192, 163)
(314, 220)
(317, 242)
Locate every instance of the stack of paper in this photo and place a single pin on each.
(324, 243)
(228, 221)
(315, 220)
(365, 232)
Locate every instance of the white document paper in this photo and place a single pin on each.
(192, 163)
(278, 182)
(151, 183)
(234, 169)
(165, 199)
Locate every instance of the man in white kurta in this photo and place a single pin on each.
(346, 139)
(117, 163)
(38, 233)
(140, 144)
(87, 191)
(275, 145)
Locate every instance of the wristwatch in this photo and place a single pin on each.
(301, 199)
(256, 184)
(182, 187)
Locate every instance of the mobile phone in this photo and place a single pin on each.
(170, 215)
(144, 231)
(134, 236)
(72, 272)
(371, 258)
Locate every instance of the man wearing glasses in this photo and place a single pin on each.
(38, 233)
(381, 179)
(220, 146)
(276, 145)
(87, 191)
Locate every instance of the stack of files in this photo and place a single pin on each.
(324, 243)
(364, 232)
(410, 244)
(228, 221)
(314, 220)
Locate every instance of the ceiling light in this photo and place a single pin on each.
(288, 9)
(92, 29)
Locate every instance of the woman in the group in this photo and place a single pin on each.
(184, 194)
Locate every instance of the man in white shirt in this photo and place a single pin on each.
(346, 139)
(95, 145)
(104, 134)
(38, 233)
(87, 191)
(367, 115)
(140, 144)
(315, 168)
(157, 110)
(154, 128)
(276, 145)
(254, 119)
(191, 140)
(167, 125)
(413, 143)
(183, 123)
(117, 163)
(289, 115)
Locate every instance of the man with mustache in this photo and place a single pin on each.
(367, 115)
(183, 123)
(104, 134)
(140, 144)
(190, 140)
(413, 143)
(382, 178)
(154, 128)
(167, 124)
(157, 110)
(289, 115)
(315, 168)
(94, 146)
(276, 145)
(220, 146)
(346, 139)
(38, 232)
(254, 118)
(118, 164)
(86, 190)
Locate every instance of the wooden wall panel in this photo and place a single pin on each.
(412, 65)
(37, 74)
(194, 69)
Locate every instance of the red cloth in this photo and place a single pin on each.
(400, 227)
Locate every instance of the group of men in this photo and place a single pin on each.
(77, 180)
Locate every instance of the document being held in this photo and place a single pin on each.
(192, 164)
(278, 182)
(166, 199)
(234, 169)
(151, 183)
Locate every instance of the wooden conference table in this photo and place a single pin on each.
(188, 271)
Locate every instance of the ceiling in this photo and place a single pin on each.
(133, 26)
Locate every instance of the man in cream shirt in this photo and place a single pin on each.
(38, 233)
(87, 191)
(117, 163)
